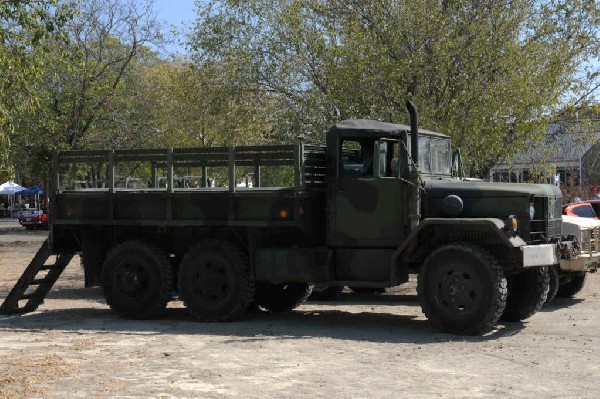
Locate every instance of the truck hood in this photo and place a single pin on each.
(485, 199)
(482, 189)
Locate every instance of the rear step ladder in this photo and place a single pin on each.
(36, 282)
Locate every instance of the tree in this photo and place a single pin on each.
(107, 35)
(86, 80)
(198, 106)
(489, 73)
(24, 26)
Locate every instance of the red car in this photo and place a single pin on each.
(32, 219)
(580, 209)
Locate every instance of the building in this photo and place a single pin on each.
(558, 158)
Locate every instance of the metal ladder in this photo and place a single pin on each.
(36, 281)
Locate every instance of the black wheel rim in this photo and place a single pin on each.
(457, 289)
(212, 282)
(132, 279)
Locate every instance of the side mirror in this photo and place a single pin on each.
(380, 158)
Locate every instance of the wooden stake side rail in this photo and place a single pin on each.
(307, 161)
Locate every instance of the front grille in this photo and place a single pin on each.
(547, 223)
(590, 240)
(554, 227)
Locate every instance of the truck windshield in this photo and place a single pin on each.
(434, 155)
(440, 156)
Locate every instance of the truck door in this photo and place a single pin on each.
(368, 198)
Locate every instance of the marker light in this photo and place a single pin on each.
(531, 211)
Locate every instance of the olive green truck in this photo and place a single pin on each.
(152, 225)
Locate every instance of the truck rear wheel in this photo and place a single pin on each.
(367, 290)
(137, 280)
(281, 297)
(554, 283)
(573, 286)
(324, 292)
(527, 293)
(214, 281)
(462, 289)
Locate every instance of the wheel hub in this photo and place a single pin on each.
(456, 291)
(131, 280)
(212, 282)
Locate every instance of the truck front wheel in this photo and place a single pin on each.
(527, 293)
(462, 289)
(214, 281)
(137, 280)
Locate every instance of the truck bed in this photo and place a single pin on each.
(190, 207)
(92, 189)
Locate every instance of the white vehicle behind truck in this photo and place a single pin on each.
(583, 243)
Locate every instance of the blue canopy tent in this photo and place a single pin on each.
(35, 191)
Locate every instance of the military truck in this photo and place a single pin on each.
(376, 203)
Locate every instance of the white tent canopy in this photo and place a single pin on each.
(10, 188)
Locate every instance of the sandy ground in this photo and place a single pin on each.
(359, 346)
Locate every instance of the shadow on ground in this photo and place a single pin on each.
(308, 322)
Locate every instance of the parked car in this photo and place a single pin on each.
(582, 241)
(32, 219)
(595, 203)
(580, 209)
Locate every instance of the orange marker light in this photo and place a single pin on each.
(283, 214)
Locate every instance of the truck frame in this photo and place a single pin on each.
(359, 211)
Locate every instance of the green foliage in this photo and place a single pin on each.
(84, 81)
(489, 73)
(24, 28)
(80, 75)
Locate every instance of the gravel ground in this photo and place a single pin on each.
(359, 346)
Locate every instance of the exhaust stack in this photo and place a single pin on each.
(414, 197)
(414, 131)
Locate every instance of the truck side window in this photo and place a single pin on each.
(394, 159)
(356, 158)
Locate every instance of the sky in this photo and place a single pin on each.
(179, 14)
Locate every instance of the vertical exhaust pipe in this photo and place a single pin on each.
(414, 131)
(414, 197)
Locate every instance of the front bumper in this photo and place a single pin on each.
(31, 223)
(539, 255)
(582, 263)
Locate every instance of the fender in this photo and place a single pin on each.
(435, 231)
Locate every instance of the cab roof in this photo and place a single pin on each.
(354, 126)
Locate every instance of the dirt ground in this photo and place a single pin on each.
(359, 346)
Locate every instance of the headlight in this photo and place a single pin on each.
(531, 211)
(511, 225)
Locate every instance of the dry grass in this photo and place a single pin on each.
(25, 376)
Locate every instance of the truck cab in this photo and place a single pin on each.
(472, 241)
